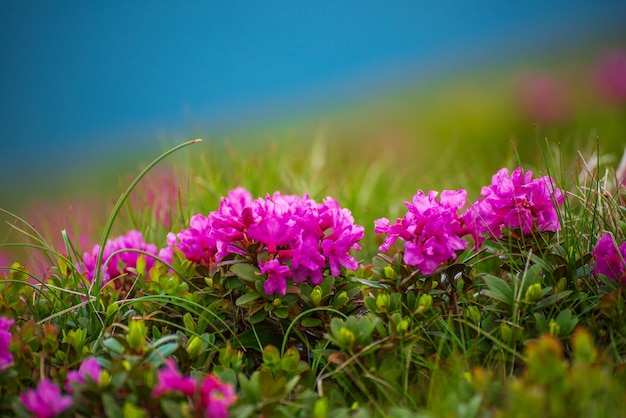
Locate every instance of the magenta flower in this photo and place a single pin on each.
(276, 277)
(431, 229)
(217, 397)
(544, 98)
(90, 368)
(6, 358)
(170, 379)
(119, 263)
(46, 401)
(301, 237)
(610, 259)
(610, 77)
(514, 202)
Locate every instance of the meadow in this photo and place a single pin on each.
(451, 253)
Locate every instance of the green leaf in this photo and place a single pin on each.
(246, 272)
(311, 322)
(190, 324)
(281, 313)
(114, 345)
(162, 352)
(258, 317)
(247, 297)
(498, 289)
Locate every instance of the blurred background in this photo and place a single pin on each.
(92, 91)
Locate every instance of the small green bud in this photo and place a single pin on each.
(382, 302)
(403, 326)
(554, 328)
(341, 299)
(346, 338)
(389, 272)
(424, 303)
(136, 336)
(533, 293)
(561, 284)
(195, 346)
(321, 408)
(316, 296)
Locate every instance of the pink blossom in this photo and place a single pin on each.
(276, 276)
(610, 77)
(170, 379)
(46, 401)
(610, 259)
(544, 98)
(431, 229)
(197, 242)
(301, 237)
(340, 237)
(6, 358)
(217, 397)
(514, 202)
(121, 262)
(275, 222)
(89, 368)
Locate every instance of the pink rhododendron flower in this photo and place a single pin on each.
(6, 358)
(610, 77)
(46, 401)
(217, 397)
(610, 259)
(119, 263)
(514, 202)
(431, 229)
(276, 277)
(301, 237)
(170, 379)
(544, 98)
(89, 367)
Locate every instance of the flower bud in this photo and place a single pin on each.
(533, 293)
(424, 303)
(195, 346)
(382, 302)
(341, 299)
(316, 296)
(346, 338)
(554, 328)
(136, 336)
(389, 272)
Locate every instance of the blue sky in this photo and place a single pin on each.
(81, 80)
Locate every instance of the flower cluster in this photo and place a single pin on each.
(46, 400)
(89, 368)
(610, 258)
(215, 397)
(431, 229)
(298, 237)
(610, 77)
(119, 256)
(514, 202)
(6, 358)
